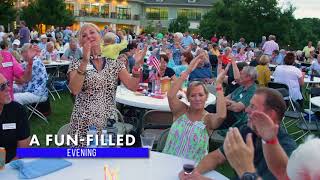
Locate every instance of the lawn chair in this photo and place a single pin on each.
(162, 140)
(64, 130)
(155, 122)
(296, 116)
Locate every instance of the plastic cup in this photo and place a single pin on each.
(147, 140)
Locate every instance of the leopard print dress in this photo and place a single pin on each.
(96, 101)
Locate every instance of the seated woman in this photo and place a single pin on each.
(186, 58)
(241, 55)
(315, 66)
(291, 76)
(192, 126)
(49, 52)
(202, 72)
(35, 90)
(165, 71)
(263, 71)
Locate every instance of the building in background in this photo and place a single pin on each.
(136, 14)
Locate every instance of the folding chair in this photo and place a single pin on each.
(123, 128)
(313, 92)
(34, 110)
(155, 121)
(285, 92)
(296, 116)
(52, 73)
(162, 140)
(64, 130)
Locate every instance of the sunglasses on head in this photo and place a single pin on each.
(4, 85)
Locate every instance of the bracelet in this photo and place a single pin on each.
(81, 72)
(219, 88)
(272, 141)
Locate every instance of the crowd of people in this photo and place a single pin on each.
(247, 113)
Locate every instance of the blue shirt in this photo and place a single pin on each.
(186, 41)
(171, 63)
(179, 69)
(132, 62)
(176, 54)
(201, 73)
(279, 59)
(42, 45)
(38, 84)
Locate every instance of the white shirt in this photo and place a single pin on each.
(1, 36)
(315, 66)
(34, 35)
(289, 75)
(249, 55)
(269, 47)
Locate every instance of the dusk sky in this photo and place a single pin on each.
(305, 8)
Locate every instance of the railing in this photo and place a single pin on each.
(112, 15)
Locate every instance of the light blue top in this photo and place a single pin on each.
(186, 41)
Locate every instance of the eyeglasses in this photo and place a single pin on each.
(4, 85)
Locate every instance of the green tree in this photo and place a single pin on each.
(49, 12)
(30, 14)
(181, 24)
(220, 19)
(149, 28)
(7, 12)
(250, 19)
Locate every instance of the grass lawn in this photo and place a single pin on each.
(61, 111)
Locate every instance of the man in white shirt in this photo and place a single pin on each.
(270, 45)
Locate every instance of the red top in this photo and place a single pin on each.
(225, 59)
(214, 39)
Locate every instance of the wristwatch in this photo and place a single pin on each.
(249, 176)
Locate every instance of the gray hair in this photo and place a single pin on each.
(228, 49)
(303, 161)
(272, 37)
(25, 47)
(73, 39)
(50, 43)
(258, 53)
(179, 35)
(251, 71)
(1, 28)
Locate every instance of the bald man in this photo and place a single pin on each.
(14, 124)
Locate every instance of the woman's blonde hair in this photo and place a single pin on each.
(83, 27)
(194, 84)
(264, 60)
(109, 38)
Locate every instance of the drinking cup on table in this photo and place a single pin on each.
(147, 140)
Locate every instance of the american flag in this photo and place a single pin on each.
(154, 61)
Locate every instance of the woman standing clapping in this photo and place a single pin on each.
(93, 79)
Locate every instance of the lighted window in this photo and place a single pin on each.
(191, 14)
(123, 13)
(157, 13)
(105, 10)
(85, 10)
(95, 9)
(70, 7)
